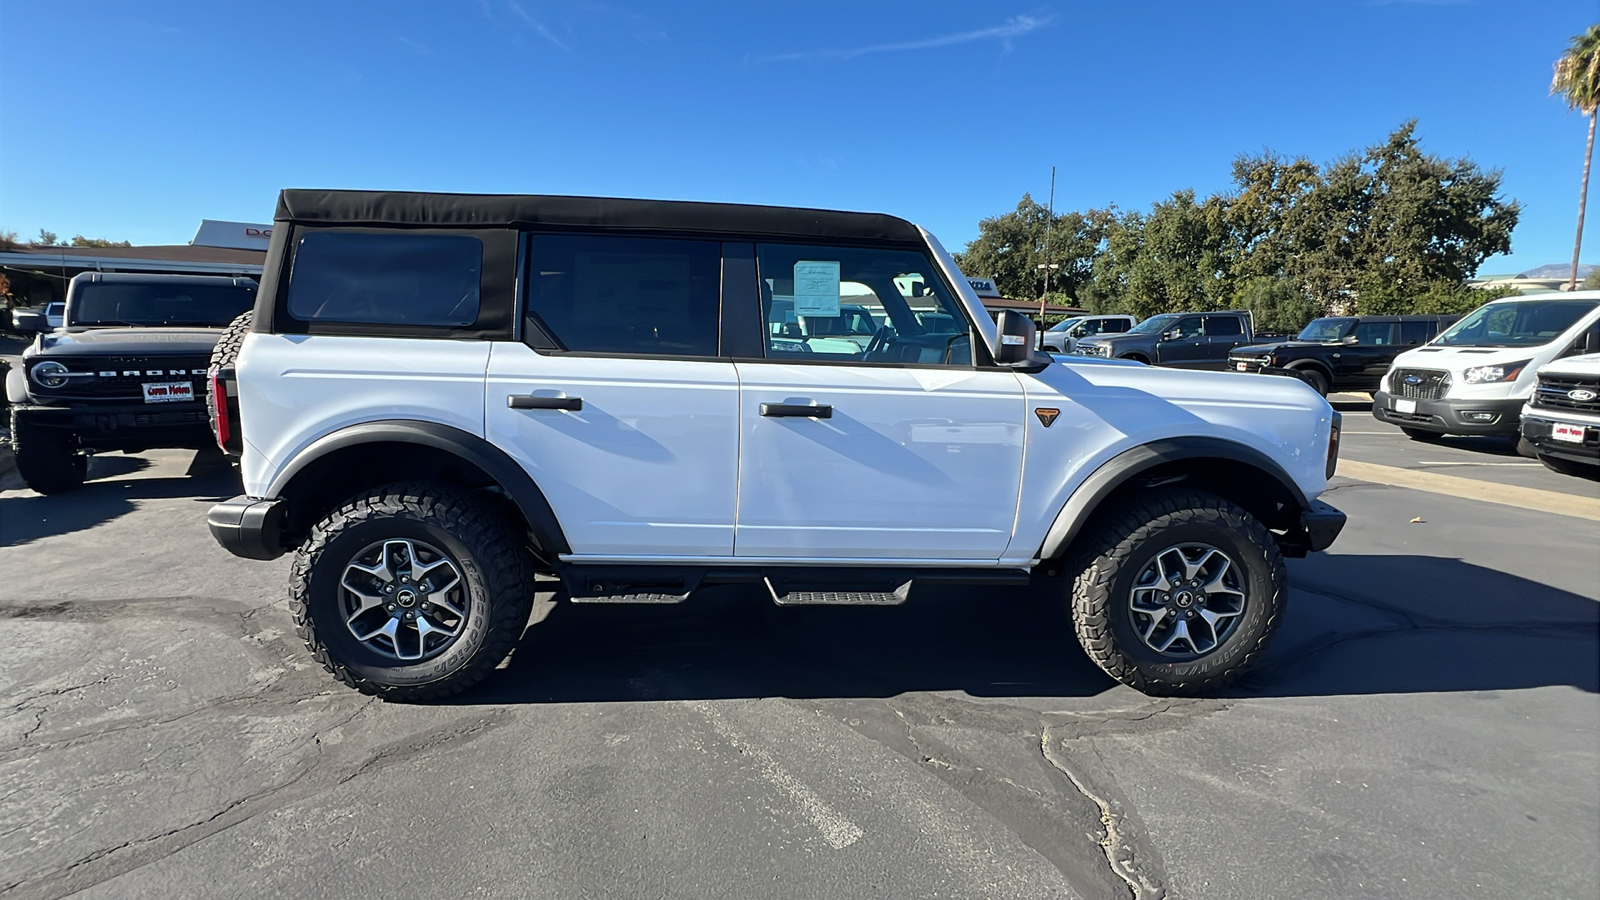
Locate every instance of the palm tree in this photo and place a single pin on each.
(1577, 80)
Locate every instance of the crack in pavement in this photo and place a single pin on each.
(315, 775)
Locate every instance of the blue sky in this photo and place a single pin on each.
(134, 120)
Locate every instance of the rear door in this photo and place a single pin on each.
(618, 400)
(1223, 333)
(902, 450)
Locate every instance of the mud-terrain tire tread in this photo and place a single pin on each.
(1315, 377)
(224, 354)
(45, 457)
(500, 554)
(1118, 534)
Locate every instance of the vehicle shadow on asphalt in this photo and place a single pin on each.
(113, 486)
(1355, 625)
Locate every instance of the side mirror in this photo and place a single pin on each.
(1170, 334)
(1017, 337)
(1350, 339)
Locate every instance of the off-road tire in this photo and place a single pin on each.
(224, 354)
(1570, 467)
(1418, 434)
(47, 458)
(1123, 540)
(495, 565)
(1524, 447)
(1314, 377)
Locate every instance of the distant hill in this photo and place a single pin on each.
(1558, 270)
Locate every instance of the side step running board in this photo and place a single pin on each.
(796, 592)
(632, 585)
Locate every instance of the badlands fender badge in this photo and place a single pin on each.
(1047, 416)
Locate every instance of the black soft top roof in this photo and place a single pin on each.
(425, 210)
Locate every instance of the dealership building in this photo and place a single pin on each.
(39, 274)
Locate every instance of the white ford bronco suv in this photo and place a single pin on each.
(441, 396)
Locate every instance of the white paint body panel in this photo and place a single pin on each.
(647, 467)
(1107, 408)
(915, 464)
(294, 389)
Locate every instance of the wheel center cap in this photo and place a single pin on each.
(1184, 599)
(406, 598)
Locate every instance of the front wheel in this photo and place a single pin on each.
(1315, 378)
(1179, 593)
(411, 591)
(46, 458)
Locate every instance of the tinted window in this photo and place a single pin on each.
(1113, 326)
(1516, 323)
(1417, 332)
(1375, 334)
(392, 279)
(651, 296)
(158, 303)
(1223, 326)
(859, 305)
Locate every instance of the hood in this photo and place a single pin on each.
(128, 341)
(1264, 349)
(1455, 359)
(1585, 366)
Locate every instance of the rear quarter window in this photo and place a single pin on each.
(386, 278)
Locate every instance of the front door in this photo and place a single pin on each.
(901, 449)
(617, 403)
(1187, 347)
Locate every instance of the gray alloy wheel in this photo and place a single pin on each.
(403, 599)
(1187, 600)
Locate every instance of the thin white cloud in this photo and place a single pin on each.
(1014, 27)
(526, 17)
(418, 46)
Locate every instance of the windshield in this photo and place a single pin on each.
(1326, 330)
(1516, 323)
(160, 303)
(1064, 324)
(1154, 324)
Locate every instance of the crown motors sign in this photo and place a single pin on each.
(233, 235)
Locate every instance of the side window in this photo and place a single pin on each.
(1186, 328)
(1223, 326)
(1114, 326)
(1375, 334)
(1413, 333)
(606, 294)
(849, 304)
(391, 278)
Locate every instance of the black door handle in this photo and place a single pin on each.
(796, 411)
(527, 401)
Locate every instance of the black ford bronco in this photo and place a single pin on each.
(1341, 353)
(126, 371)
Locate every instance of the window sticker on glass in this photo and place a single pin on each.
(816, 287)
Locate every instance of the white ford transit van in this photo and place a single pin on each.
(1475, 377)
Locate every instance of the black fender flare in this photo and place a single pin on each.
(1117, 470)
(494, 462)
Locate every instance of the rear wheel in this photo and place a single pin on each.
(1179, 593)
(47, 458)
(412, 591)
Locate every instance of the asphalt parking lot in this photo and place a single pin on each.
(1426, 724)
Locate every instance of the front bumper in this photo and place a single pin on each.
(1537, 430)
(1451, 415)
(1319, 526)
(248, 527)
(122, 426)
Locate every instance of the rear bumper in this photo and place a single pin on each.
(123, 425)
(1536, 429)
(1318, 528)
(248, 527)
(1451, 415)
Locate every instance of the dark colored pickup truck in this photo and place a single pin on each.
(1181, 340)
(1341, 353)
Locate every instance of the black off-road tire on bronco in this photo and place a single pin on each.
(47, 458)
(491, 560)
(1123, 542)
(224, 354)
